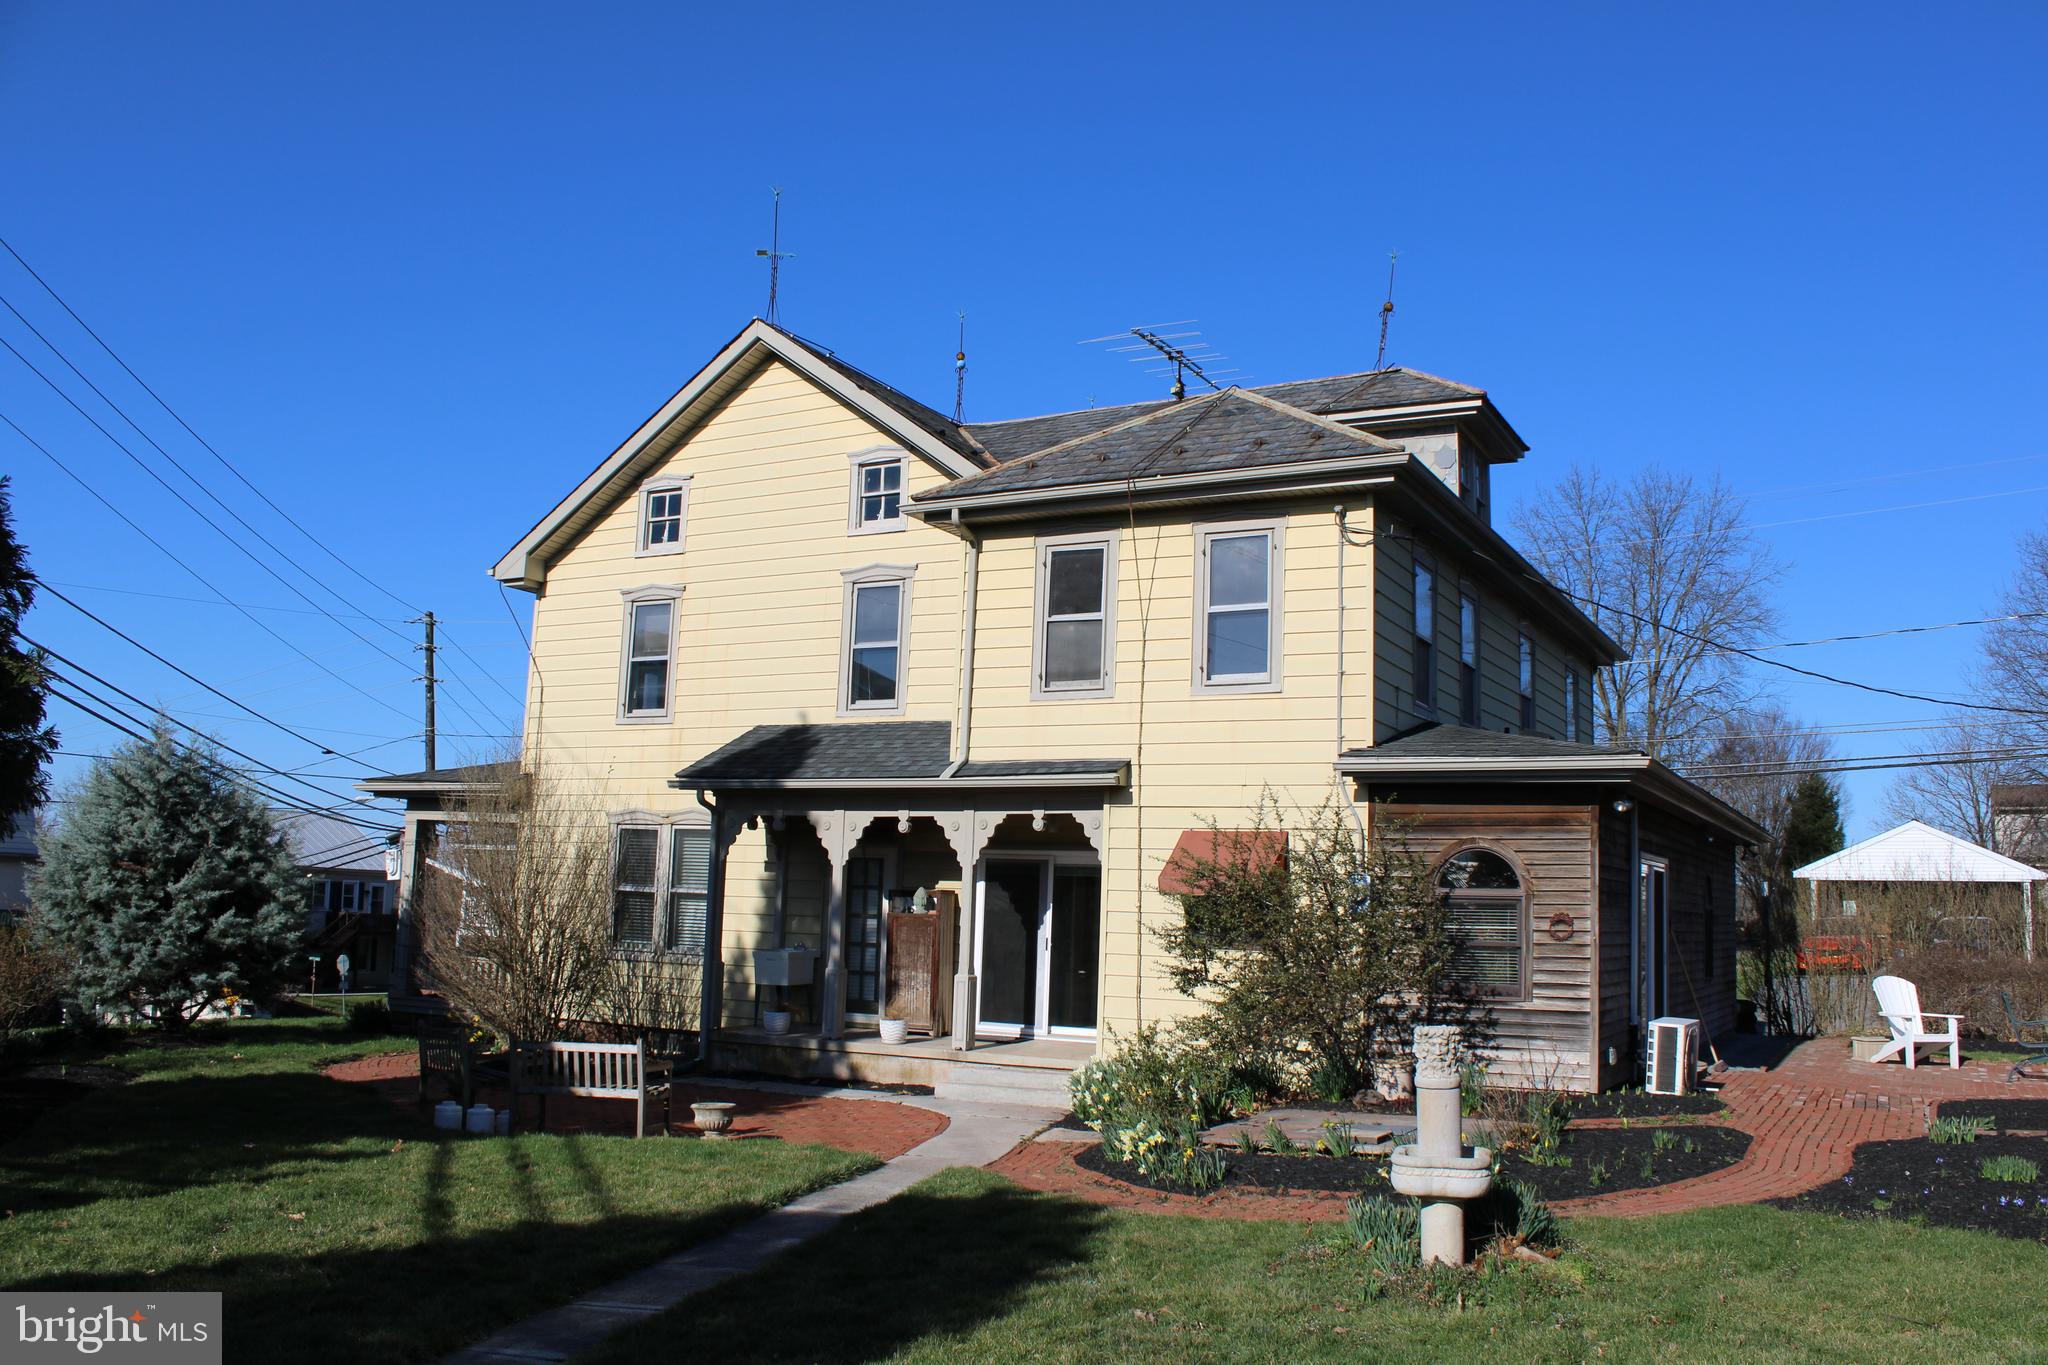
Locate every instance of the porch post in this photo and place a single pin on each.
(832, 832)
(2027, 907)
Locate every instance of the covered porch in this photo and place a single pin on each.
(861, 876)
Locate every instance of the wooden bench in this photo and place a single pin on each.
(608, 1071)
(448, 1056)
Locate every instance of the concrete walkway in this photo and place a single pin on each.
(976, 1134)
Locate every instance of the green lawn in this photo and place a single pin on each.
(339, 1227)
(972, 1268)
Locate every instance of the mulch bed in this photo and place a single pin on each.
(1621, 1105)
(1938, 1183)
(1605, 1160)
(1263, 1171)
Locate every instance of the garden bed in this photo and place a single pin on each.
(1603, 1160)
(1266, 1171)
(1918, 1180)
(1621, 1104)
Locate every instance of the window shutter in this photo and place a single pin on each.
(689, 889)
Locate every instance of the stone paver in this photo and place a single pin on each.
(974, 1134)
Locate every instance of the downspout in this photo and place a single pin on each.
(1349, 798)
(971, 549)
(1638, 1007)
(712, 1004)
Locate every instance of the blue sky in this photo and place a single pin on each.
(414, 269)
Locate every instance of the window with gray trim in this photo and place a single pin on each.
(1238, 610)
(1525, 674)
(1571, 704)
(1468, 660)
(877, 493)
(663, 505)
(661, 887)
(876, 628)
(1075, 614)
(649, 654)
(1425, 637)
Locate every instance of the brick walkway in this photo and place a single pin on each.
(882, 1130)
(1805, 1117)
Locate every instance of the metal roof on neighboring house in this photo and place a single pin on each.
(329, 843)
(1916, 852)
(1231, 430)
(875, 753)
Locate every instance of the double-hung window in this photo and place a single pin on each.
(1237, 628)
(1468, 660)
(1571, 704)
(1488, 921)
(1076, 616)
(1525, 673)
(875, 631)
(663, 505)
(1425, 637)
(647, 667)
(661, 887)
(877, 497)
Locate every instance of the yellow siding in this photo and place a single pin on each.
(759, 622)
(1195, 757)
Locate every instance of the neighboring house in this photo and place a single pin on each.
(17, 855)
(1927, 886)
(821, 647)
(2019, 821)
(351, 900)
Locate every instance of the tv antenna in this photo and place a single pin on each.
(1379, 362)
(960, 373)
(1183, 354)
(776, 256)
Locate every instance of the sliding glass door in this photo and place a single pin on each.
(1040, 928)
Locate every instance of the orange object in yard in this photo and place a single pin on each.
(1833, 953)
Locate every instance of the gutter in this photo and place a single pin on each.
(1117, 778)
(971, 549)
(1215, 478)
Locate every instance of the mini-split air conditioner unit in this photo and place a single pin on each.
(1674, 1055)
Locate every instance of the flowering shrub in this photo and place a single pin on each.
(1169, 1152)
(1151, 1075)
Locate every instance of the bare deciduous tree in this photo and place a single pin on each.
(513, 905)
(2015, 668)
(1665, 564)
(31, 975)
(1952, 791)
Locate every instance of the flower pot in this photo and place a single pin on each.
(712, 1117)
(775, 1022)
(448, 1116)
(481, 1119)
(503, 1126)
(894, 1031)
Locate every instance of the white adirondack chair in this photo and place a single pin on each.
(1898, 1000)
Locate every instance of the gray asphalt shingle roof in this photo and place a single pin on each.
(1464, 741)
(917, 414)
(472, 775)
(1233, 429)
(1338, 393)
(861, 751)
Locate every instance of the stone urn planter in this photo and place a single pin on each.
(895, 1031)
(713, 1118)
(775, 1023)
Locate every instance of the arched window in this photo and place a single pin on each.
(1488, 922)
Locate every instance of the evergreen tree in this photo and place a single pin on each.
(167, 885)
(1813, 825)
(26, 743)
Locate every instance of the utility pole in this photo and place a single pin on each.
(428, 648)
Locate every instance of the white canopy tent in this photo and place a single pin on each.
(1916, 852)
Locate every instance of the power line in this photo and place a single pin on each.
(129, 521)
(183, 673)
(206, 445)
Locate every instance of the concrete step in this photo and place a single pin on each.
(1045, 1086)
(1002, 1097)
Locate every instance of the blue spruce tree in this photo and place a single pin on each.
(168, 886)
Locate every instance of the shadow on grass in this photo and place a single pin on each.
(419, 1301)
(176, 1134)
(937, 1261)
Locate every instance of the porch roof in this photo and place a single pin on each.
(883, 753)
(1463, 754)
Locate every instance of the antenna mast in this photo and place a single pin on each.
(1379, 361)
(775, 256)
(960, 373)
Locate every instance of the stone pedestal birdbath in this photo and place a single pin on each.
(1438, 1168)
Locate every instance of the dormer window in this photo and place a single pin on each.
(877, 501)
(663, 507)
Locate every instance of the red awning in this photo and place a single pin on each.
(1253, 849)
